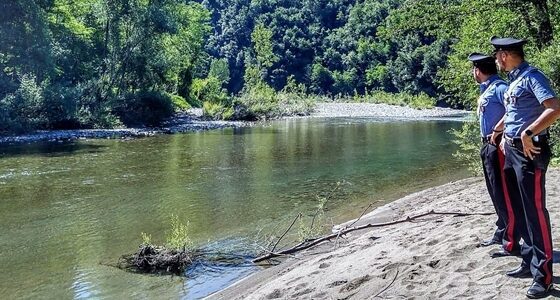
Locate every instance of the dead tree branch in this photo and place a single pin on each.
(310, 243)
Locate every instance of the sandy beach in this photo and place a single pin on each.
(433, 258)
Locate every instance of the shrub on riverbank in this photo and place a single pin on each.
(468, 140)
(144, 108)
(263, 102)
(21, 110)
(419, 101)
(179, 103)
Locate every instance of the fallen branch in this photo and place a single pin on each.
(313, 242)
(356, 221)
(387, 287)
(286, 232)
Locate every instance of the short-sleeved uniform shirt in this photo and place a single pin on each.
(492, 107)
(524, 97)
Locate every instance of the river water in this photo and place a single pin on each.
(68, 211)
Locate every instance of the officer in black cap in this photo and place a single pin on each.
(491, 109)
(531, 107)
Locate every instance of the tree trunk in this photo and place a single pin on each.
(544, 34)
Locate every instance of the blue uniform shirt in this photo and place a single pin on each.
(525, 98)
(492, 107)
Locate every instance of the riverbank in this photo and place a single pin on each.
(433, 258)
(193, 121)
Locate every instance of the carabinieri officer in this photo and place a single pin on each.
(531, 107)
(490, 109)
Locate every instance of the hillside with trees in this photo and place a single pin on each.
(101, 63)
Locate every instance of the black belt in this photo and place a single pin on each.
(517, 143)
(487, 139)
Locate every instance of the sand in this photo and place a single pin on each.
(435, 258)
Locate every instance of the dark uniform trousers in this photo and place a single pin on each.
(493, 166)
(525, 181)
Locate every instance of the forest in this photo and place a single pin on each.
(113, 63)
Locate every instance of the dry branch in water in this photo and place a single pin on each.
(151, 259)
(312, 242)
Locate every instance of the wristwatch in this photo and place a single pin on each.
(529, 132)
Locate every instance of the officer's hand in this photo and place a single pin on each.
(502, 145)
(529, 149)
(493, 137)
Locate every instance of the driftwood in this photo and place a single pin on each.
(158, 260)
(312, 242)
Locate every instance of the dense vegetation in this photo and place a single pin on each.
(104, 63)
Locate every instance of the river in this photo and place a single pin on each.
(68, 211)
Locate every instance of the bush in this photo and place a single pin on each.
(258, 102)
(208, 90)
(144, 108)
(61, 106)
(420, 101)
(217, 111)
(178, 237)
(263, 102)
(21, 110)
(179, 103)
(468, 140)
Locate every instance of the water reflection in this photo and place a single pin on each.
(69, 211)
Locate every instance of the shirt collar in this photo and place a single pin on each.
(513, 74)
(484, 85)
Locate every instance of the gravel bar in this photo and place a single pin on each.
(192, 121)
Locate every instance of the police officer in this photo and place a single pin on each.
(490, 109)
(531, 107)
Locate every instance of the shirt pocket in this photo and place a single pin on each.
(517, 95)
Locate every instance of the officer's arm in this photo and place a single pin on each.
(547, 117)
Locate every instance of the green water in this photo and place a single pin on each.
(69, 210)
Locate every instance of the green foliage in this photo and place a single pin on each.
(321, 79)
(555, 143)
(22, 110)
(217, 111)
(314, 226)
(179, 103)
(258, 102)
(146, 238)
(178, 237)
(208, 90)
(219, 69)
(420, 101)
(262, 40)
(91, 57)
(145, 108)
(468, 140)
(548, 60)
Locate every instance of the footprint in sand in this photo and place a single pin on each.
(304, 292)
(355, 283)
(433, 264)
(432, 242)
(320, 295)
(314, 272)
(337, 283)
(295, 280)
(275, 294)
